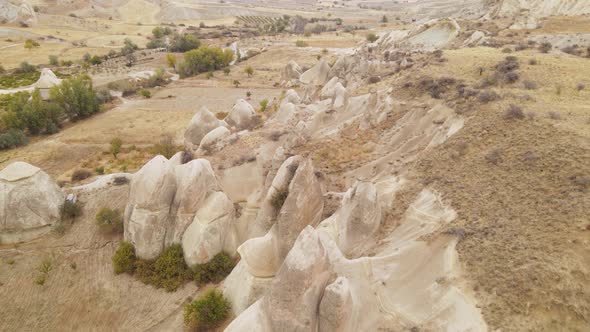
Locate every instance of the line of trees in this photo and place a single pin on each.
(26, 113)
(204, 59)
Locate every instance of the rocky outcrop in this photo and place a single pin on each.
(292, 301)
(147, 214)
(213, 141)
(527, 13)
(211, 231)
(30, 201)
(168, 199)
(201, 124)
(317, 75)
(291, 96)
(432, 35)
(242, 116)
(291, 73)
(336, 306)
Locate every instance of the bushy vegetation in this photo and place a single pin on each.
(26, 75)
(32, 114)
(124, 258)
(301, 43)
(76, 97)
(207, 312)
(371, 37)
(204, 59)
(215, 270)
(70, 210)
(81, 174)
(12, 138)
(184, 43)
(110, 221)
(168, 271)
(166, 147)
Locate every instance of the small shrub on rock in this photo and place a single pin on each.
(168, 271)
(207, 312)
(215, 270)
(279, 198)
(109, 220)
(124, 258)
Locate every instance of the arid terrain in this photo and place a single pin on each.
(372, 165)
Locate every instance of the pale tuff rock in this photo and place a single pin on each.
(291, 96)
(195, 180)
(211, 231)
(432, 35)
(29, 200)
(358, 218)
(201, 124)
(163, 201)
(285, 113)
(301, 279)
(336, 306)
(291, 72)
(291, 303)
(243, 289)
(476, 38)
(147, 214)
(340, 96)
(317, 75)
(213, 141)
(527, 13)
(328, 91)
(242, 115)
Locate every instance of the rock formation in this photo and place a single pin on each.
(242, 115)
(30, 202)
(201, 124)
(317, 75)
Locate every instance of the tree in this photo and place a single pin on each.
(204, 59)
(184, 43)
(129, 47)
(95, 60)
(76, 97)
(30, 44)
(115, 148)
(237, 83)
(130, 57)
(53, 60)
(158, 32)
(249, 71)
(384, 19)
(226, 71)
(87, 57)
(171, 59)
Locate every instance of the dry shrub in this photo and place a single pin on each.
(81, 174)
(530, 85)
(487, 96)
(494, 157)
(514, 113)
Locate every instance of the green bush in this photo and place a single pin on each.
(12, 139)
(168, 271)
(76, 97)
(184, 43)
(124, 258)
(204, 59)
(70, 210)
(207, 312)
(371, 37)
(263, 105)
(301, 43)
(19, 78)
(109, 220)
(215, 270)
(53, 60)
(166, 147)
(145, 93)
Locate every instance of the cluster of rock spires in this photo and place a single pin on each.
(298, 272)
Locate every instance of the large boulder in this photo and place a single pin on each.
(152, 190)
(291, 72)
(213, 141)
(201, 124)
(291, 96)
(317, 75)
(211, 231)
(30, 200)
(242, 115)
(359, 217)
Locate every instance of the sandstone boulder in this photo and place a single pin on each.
(242, 115)
(211, 231)
(213, 140)
(291, 96)
(292, 71)
(29, 200)
(317, 75)
(201, 124)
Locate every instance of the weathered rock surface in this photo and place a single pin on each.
(317, 75)
(336, 306)
(201, 124)
(242, 115)
(213, 140)
(29, 200)
(291, 72)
